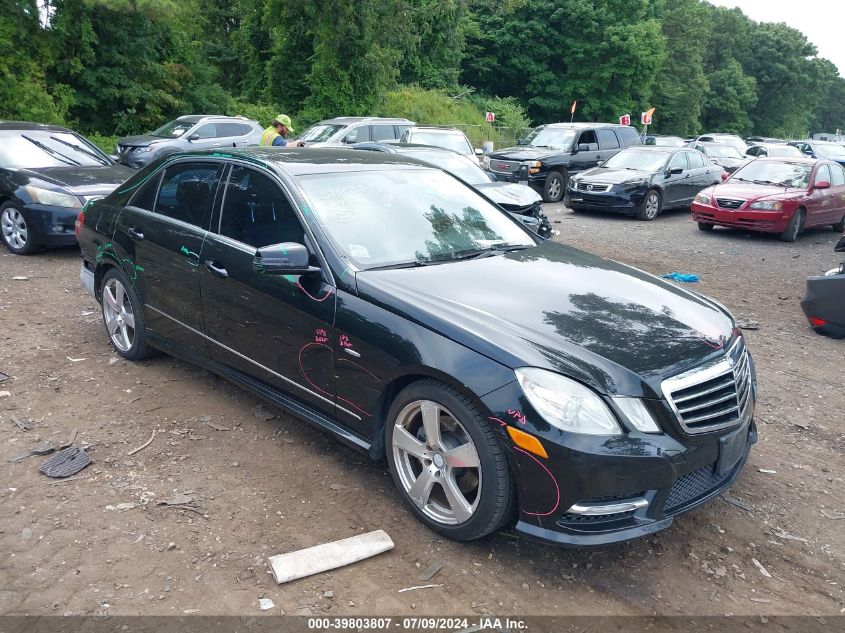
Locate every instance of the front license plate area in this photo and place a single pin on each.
(731, 449)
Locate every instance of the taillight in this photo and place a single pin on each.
(77, 225)
(816, 322)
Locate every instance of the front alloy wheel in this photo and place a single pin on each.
(650, 206)
(16, 233)
(447, 462)
(123, 317)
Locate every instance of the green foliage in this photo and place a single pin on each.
(105, 143)
(731, 97)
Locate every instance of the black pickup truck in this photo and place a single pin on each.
(555, 151)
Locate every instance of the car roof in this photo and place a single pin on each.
(406, 148)
(790, 159)
(196, 118)
(299, 161)
(349, 120)
(581, 126)
(656, 148)
(26, 125)
(436, 128)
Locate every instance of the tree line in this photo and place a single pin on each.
(118, 67)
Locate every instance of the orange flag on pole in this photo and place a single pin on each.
(572, 111)
(650, 111)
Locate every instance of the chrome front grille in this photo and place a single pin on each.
(716, 396)
(503, 166)
(585, 186)
(729, 203)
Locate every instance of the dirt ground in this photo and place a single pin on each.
(262, 482)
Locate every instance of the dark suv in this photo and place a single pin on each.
(555, 151)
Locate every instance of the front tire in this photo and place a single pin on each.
(555, 188)
(16, 233)
(447, 463)
(839, 227)
(650, 206)
(703, 226)
(794, 228)
(123, 316)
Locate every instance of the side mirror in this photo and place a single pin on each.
(725, 175)
(583, 147)
(520, 141)
(821, 184)
(479, 152)
(676, 170)
(194, 137)
(287, 258)
(840, 245)
(808, 152)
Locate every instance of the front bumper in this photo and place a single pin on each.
(52, 226)
(625, 202)
(763, 221)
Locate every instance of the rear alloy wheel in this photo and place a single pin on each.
(17, 235)
(839, 227)
(794, 228)
(703, 226)
(650, 206)
(556, 183)
(122, 316)
(447, 463)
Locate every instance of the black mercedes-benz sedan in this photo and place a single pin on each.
(642, 181)
(47, 173)
(507, 379)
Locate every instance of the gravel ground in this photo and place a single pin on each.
(262, 483)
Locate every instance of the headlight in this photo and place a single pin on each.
(766, 205)
(566, 404)
(637, 414)
(632, 184)
(53, 198)
(534, 166)
(146, 148)
(702, 198)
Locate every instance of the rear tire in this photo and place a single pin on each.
(794, 228)
(707, 228)
(16, 232)
(650, 206)
(839, 227)
(123, 316)
(556, 184)
(446, 461)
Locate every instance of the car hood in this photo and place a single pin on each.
(728, 161)
(525, 152)
(614, 327)
(142, 140)
(613, 176)
(750, 191)
(508, 194)
(87, 180)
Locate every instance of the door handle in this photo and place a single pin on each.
(214, 269)
(688, 176)
(135, 234)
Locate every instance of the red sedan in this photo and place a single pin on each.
(776, 195)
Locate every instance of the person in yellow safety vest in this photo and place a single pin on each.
(275, 135)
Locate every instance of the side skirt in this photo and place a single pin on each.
(288, 403)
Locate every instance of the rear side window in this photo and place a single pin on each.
(245, 129)
(696, 160)
(823, 174)
(401, 129)
(145, 195)
(383, 132)
(753, 151)
(629, 136)
(229, 129)
(257, 212)
(837, 175)
(607, 139)
(187, 191)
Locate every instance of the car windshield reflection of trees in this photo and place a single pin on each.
(780, 174)
(452, 237)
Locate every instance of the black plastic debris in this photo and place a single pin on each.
(66, 463)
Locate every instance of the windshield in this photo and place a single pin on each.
(782, 174)
(783, 150)
(406, 216)
(733, 141)
(830, 150)
(644, 160)
(454, 141)
(320, 133)
(173, 129)
(722, 151)
(460, 166)
(554, 137)
(34, 149)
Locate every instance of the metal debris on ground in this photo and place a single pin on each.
(69, 441)
(736, 502)
(832, 516)
(418, 587)
(789, 537)
(144, 445)
(23, 426)
(262, 414)
(41, 449)
(76, 360)
(320, 558)
(265, 603)
(747, 324)
(3, 377)
(431, 572)
(218, 427)
(5, 394)
(66, 462)
(762, 569)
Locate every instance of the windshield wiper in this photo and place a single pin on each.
(50, 151)
(487, 251)
(767, 182)
(82, 150)
(412, 263)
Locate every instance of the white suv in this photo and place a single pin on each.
(446, 137)
(348, 130)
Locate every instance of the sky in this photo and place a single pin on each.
(822, 21)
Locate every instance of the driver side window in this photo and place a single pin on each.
(823, 174)
(256, 211)
(209, 130)
(679, 161)
(589, 137)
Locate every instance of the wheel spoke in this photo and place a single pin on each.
(111, 301)
(408, 443)
(111, 324)
(431, 421)
(464, 456)
(129, 318)
(120, 296)
(457, 502)
(124, 335)
(421, 490)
